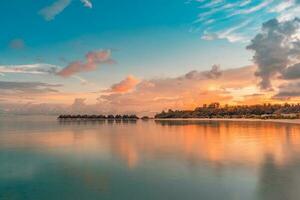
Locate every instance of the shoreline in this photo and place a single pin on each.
(289, 121)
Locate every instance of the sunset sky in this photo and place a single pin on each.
(142, 56)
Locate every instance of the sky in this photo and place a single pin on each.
(103, 56)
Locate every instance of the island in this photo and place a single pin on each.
(208, 111)
(215, 110)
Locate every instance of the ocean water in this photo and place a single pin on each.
(44, 159)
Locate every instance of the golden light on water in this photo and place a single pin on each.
(245, 143)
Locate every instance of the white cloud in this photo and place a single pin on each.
(38, 68)
(282, 6)
(230, 34)
(54, 9)
(87, 3)
(51, 11)
(216, 18)
(256, 8)
(289, 14)
(211, 4)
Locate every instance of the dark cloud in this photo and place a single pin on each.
(292, 72)
(287, 94)
(289, 90)
(254, 95)
(28, 87)
(275, 49)
(214, 73)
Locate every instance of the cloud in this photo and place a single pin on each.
(217, 18)
(27, 87)
(287, 10)
(231, 34)
(287, 91)
(17, 44)
(125, 85)
(38, 68)
(214, 73)
(93, 60)
(82, 80)
(276, 48)
(256, 8)
(32, 109)
(87, 3)
(79, 105)
(292, 72)
(212, 4)
(183, 92)
(282, 6)
(143, 97)
(54, 9)
(50, 12)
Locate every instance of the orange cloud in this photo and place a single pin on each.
(93, 60)
(184, 92)
(147, 97)
(125, 85)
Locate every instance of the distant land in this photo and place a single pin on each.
(210, 111)
(100, 117)
(215, 110)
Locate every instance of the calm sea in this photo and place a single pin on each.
(44, 159)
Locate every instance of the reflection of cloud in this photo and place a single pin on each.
(278, 182)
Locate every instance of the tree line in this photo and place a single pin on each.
(215, 110)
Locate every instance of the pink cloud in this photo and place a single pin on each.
(183, 92)
(146, 97)
(93, 60)
(125, 85)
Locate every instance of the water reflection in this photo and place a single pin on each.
(261, 157)
(226, 142)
